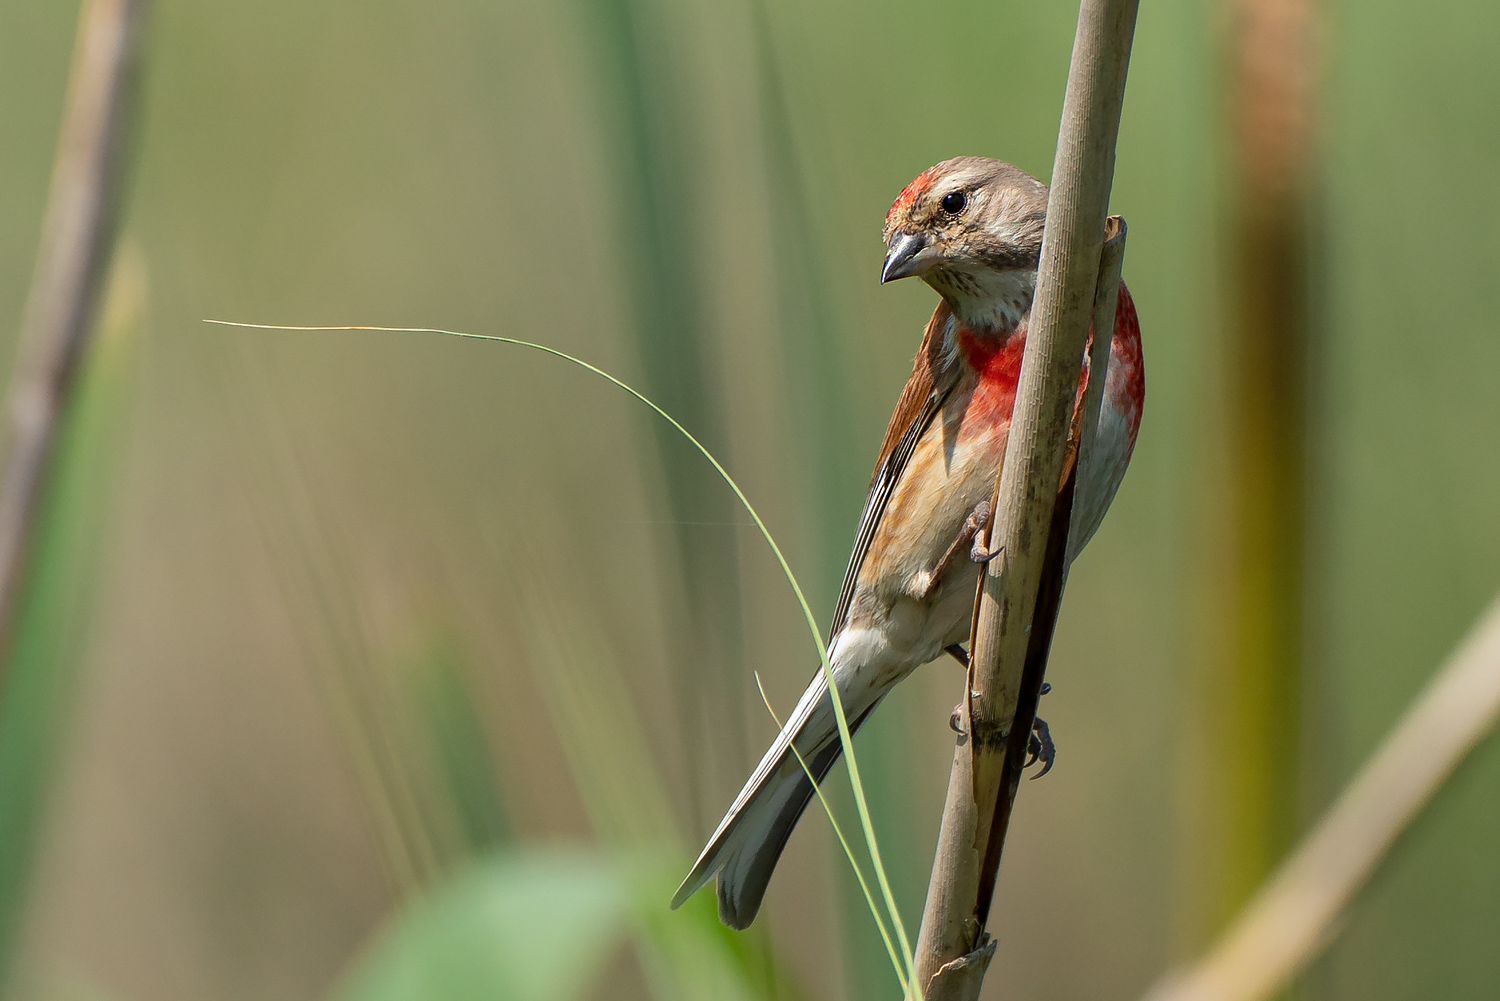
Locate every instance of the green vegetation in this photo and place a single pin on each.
(343, 648)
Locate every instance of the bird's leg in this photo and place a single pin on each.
(962, 656)
(956, 721)
(927, 582)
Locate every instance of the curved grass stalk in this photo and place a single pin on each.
(846, 739)
(864, 886)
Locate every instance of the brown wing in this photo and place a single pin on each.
(931, 381)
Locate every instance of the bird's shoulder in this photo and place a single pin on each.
(934, 372)
(933, 376)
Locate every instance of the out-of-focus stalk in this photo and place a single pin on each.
(58, 437)
(77, 234)
(686, 955)
(49, 631)
(656, 249)
(810, 331)
(1294, 916)
(1253, 679)
(373, 718)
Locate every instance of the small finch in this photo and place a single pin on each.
(971, 228)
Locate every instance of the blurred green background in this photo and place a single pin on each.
(384, 631)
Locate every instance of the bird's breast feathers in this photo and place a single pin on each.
(953, 468)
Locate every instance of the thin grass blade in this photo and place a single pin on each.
(846, 739)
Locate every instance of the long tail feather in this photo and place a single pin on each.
(745, 848)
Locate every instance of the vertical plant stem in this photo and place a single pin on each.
(77, 233)
(1255, 678)
(1054, 574)
(45, 544)
(1106, 299)
(953, 950)
(50, 633)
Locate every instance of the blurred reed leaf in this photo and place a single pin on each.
(408, 720)
(600, 733)
(533, 925)
(539, 924)
(1250, 787)
(686, 954)
(51, 626)
(373, 724)
(457, 744)
(821, 429)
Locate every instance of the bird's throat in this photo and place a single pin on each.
(986, 301)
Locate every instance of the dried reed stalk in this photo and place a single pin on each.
(1022, 587)
(77, 234)
(1289, 922)
(1252, 689)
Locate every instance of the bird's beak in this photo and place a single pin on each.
(905, 257)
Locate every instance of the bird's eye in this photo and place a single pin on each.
(954, 202)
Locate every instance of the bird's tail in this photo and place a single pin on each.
(749, 840)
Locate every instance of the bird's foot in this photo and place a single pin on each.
(926, 582)
(958, 653)
(979, 554)
(977, 551)
(1040, 747)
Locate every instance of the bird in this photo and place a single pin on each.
(971, 228)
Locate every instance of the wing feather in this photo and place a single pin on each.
(933, 375)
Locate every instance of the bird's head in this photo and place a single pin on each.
(970, 227)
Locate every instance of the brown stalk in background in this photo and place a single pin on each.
(1254, 679)
(1290, 921)
(77, 234)
(1023, 585)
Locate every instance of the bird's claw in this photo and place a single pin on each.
(956, 721)
(1040, 747)
(979, 554)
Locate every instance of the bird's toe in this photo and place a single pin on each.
(1040, 747)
